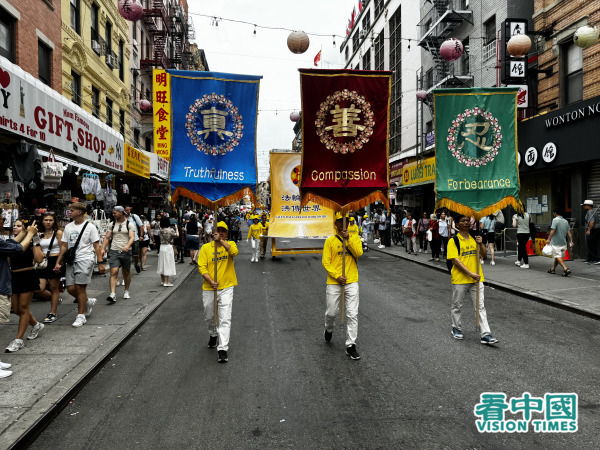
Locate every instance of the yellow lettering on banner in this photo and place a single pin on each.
(464, 184)
(161, 84)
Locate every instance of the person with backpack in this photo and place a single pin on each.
(119, 240)
(80, 250)
(467, 278)
(332, 262)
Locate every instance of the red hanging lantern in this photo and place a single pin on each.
(145, 105)
(451, 49)
(131, 9)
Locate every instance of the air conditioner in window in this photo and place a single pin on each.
(134, 43)
(110, 60)
(96, 46)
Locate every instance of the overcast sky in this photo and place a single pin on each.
(233, 48)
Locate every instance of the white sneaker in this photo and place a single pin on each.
(4, 366)
(89, 305)
(122, 283)
(5, 373)
(525, 266)
(79, 321)
(126, 294)
(168, 285)
(493, 263)
(376, 241)
(517, 263)
(35, 330)
(15, 345)
(481, 261)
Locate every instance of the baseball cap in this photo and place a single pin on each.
(119, 208)
(338, 216)
(222, 225)
(588, 202)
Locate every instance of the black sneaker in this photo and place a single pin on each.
(138, 268)
(328, 335)
(352, 353)
(212, 342)
(222, 356)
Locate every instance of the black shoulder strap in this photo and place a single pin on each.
(80, 235)
(347, 249)
(50, 245)
(457, 243)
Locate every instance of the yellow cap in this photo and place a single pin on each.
(366, 216)
(338, 216)
(351, 219)
(255, 217)
(222, 225)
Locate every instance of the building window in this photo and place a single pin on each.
(148, 96)
(75, 12)
(489, 43)
(136, 137)
(148, 144)
(122, 122)
(366, 60)
(134, 34)
(465, 4)
(94, 28)
(76, 88)
(109, 112)
(366, 22)
(95, 102)
(355, 38)
(378, 5)
(572, 82)
(147, 48)
(142, 87)
(108, 37)
(134, 87)
(465, 66)
(44, 63)
(396, 94)
(347, 52)
(379, 49)
(428, 79)
(7, 35)
(121, 61)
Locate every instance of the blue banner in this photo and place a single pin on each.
(214, 135)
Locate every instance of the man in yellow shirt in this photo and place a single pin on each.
(353, 227)
(254, 233)
(264, 235)
(466, 278)
(332, 262)
(226, 280)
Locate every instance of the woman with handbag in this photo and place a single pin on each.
(410, 231)
(166, 257)
(50, 245)
(422, 228)
(25, 282)
(522, 222)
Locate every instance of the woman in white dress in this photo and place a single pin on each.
(166, 257)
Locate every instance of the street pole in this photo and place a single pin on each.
(215, 309)
(343, 267)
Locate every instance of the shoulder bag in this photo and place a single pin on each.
(69, 257)
(44, 263)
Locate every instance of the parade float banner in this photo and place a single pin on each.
(213, 157)
(476, 150)
(34, 111)
(345, 128)
(288, 218)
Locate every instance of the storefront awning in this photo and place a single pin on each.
(39, 114)
(159, 167)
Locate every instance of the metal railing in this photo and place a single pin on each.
(489, 50)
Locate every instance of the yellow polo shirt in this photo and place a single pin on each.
(353, 229)
(225, 270)
(468, 256)
(332, 259)
(254, 231)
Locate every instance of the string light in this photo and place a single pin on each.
(333, 40)
(254, 29)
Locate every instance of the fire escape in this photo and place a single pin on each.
(435, 27)
(156, 21)
(181, 31)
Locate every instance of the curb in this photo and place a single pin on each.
(21, 435)
(530, 295)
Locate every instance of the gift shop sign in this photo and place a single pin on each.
(137, 162)
(163, 168)
(31, 109)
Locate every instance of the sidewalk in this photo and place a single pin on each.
(578, 292)
(51, 368)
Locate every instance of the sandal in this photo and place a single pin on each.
(551, 271)
(566, 273)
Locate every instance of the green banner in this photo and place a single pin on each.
(476, 150)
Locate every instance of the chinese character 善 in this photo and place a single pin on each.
(344, 119)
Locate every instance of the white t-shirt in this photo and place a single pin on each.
(85, 249)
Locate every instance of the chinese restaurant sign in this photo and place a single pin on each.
(345, 129)
(137, 162)
(161, 88)
(288, 218)
(31, 109)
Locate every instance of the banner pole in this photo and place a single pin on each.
(343, 268)
(215, 309)
(477, 296)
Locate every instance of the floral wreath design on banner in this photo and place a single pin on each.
(364, 130)
(213, 123)
(455, 130)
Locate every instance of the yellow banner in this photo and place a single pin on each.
(422, 172)
(161, 88)
(287, 218)
(136, 162)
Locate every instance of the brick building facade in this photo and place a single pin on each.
(33, 30)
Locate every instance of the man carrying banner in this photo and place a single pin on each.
(226, 280)
(336, 282)
(467, 277)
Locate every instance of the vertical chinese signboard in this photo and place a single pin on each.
(161, 87)
(288, 218)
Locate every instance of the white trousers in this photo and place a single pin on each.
(224, 305)
(255, 247)
(334, 294)
(459, 291)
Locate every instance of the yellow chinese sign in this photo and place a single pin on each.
(418, 172)
(161, 88)
(136, 162)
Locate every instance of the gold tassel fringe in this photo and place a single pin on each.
(451, 205)
(352, 206)
(225, 201)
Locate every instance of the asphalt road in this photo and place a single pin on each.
(284, 387)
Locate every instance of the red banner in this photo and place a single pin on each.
(345, 128)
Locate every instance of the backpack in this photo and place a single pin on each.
(449, 263)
